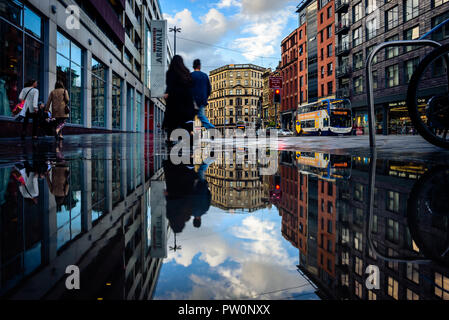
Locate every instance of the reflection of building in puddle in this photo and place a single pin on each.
(326, 219)
(91, 212)
(236, 187)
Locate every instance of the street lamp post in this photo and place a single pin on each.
(175, 30)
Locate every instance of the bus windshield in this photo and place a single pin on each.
(341, 119)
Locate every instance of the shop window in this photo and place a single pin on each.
(21, 56)
(69, 68)
(98, 94)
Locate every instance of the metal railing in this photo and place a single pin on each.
(340, 4)
(343, 70)
(369, 78)
(343, 47)
(342, 25)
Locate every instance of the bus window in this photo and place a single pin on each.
(326, 122)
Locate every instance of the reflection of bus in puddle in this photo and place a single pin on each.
(324, 165)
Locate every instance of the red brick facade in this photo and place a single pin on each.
(326, 50)
(290, 72)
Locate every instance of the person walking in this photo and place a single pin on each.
(59, 102)
(201, 92)
(29, 94)
(180, 110)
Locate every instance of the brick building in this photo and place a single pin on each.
(361, 25)
(289, 72)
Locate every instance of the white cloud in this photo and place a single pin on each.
(263, 6)
(260, 263)
(264, 28)
(210, 29)
(228, 4)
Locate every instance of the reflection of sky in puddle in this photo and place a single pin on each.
(233, 257)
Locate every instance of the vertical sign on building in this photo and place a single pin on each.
(158, 57)
(158, 220)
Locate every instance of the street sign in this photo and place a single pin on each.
(275, 82)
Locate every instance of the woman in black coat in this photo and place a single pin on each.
(180, 111)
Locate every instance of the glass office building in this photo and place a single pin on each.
(102, 60)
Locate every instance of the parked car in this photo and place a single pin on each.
(285, 133)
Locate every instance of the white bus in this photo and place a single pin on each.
(327, 117)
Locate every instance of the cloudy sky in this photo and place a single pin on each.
(221, 32)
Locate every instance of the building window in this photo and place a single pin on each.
(392, 76)
(358, 60)
(411, 295)
(345, 235)
(357, 12)
(413, 272)
(392, 18)
(358, 241)
(329, 31)
(358, 289)
(358, 266)
(372, 295)
(69, 68)
(21, 53)
(329, 12)
(329, 226)
(375, 80)
(437, 3)
(392, 264)
(344, 280)
(392, 51)
(330, 87)
(370, 6)
(392, 286)
(98, 94)
(357, 36)
(368, 52)
(441, 286)
(329, 50)
(330, 69)
(393, 201)
(411, 9)
(411, 34)
(359, 191)
(116, 101)
(371, 29)
(410, 67)
(392, 231)
(138, 115)
(358, 85)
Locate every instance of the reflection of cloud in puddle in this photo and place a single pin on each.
(258, 262)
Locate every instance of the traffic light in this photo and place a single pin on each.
(277, 96)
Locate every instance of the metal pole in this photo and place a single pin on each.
(175, 39)
(275, 115)
(369, 78)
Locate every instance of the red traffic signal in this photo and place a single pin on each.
(277, 96)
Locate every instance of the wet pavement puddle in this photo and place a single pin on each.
(342, 224)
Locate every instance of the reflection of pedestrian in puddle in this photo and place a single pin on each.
(202, 196)
(28, 182)
(187, 194)
(58, 178)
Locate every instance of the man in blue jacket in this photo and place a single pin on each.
(201, 92)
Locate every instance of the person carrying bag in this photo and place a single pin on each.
(59, 103)
(29, 96)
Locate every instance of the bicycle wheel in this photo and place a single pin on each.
(428, 97)
(428, 214)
